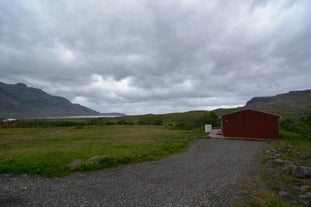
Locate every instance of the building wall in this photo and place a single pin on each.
(250, 124)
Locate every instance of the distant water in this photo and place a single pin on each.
(78, 117)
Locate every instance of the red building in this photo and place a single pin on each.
(250, 124)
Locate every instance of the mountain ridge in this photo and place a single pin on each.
(20, 101)
(286, 104)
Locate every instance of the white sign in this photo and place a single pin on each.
(208, 128)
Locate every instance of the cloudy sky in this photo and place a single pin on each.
(142, 56)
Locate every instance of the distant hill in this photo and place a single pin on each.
(287, 104)
(20, 101)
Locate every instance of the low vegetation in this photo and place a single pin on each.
(277, 185)
(300, 125)
(184, 121)
(47, 151)
(46, 147)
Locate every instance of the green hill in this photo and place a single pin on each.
(293, 103)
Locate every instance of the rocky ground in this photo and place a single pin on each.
(209, 174)
(291, 180)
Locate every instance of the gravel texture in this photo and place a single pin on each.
(209, 174)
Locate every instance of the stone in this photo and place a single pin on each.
(284, 194)
(93, 159)
(270, 163)
(281, 161)
(296, 188)
(288, 168)
(75, 164)
(277, 162)
(308, 194)
(304, 188)
(301, 171)
(304, 200)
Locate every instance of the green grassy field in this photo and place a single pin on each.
(47, 151)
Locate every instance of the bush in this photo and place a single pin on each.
(188, 123)
(183, 125)
(210, 118)
(45, 123)
(301, 125)
(150, 120)
(107, 162)
(124, 122)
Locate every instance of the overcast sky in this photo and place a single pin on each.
(144, 56)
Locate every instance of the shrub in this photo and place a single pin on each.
(106, 162)
(150, 120)
(301, 125)
(211, 118)
(124, 122)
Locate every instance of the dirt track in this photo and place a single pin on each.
(209, 174)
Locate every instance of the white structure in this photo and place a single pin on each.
(9, 120)
(208, 128)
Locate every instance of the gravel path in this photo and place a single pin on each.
(209, 174)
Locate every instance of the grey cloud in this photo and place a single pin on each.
(156, 56)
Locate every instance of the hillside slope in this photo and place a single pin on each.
(18, 100)
(287, 104)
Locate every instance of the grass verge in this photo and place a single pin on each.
(276, 185)
(48, 151)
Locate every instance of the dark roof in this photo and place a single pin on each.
(250, 110)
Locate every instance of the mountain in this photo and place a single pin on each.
(287, 104)
(20, 101)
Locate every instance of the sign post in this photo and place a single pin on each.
(208, 128)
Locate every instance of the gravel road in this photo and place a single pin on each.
(209, 174)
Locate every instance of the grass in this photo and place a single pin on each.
(186, 120)
(47, 151)
(264, 190)
(262, 199)
(294, 147)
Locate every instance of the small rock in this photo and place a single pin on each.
(296, 188)
(93, 159)
(281, 161)
(308, 194)
(288, 168)
(304, 188)
(304, 200)
(301, 171)
(270, 163)
(75, 164)
(276, 162)
(284, 194)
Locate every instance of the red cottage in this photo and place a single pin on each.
(250, 124)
